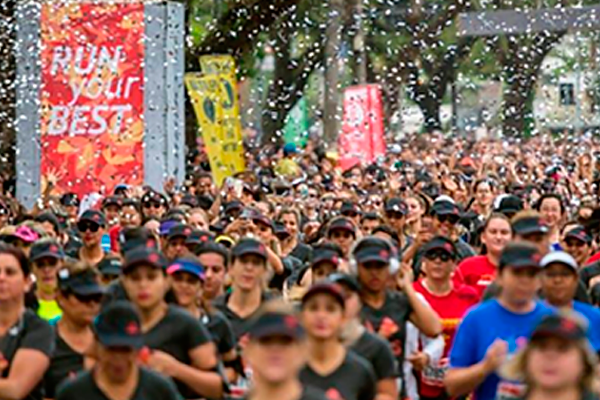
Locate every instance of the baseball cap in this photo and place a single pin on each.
(132, 238)
(396, 204)
(556, 325)
(249, 246)
(179, 230)
(529, 225)
(341, 223)
(325, 254)
(262, 219)
(440, 243)
(349, 207)
(290, 148)
(83, 283)
(110, 266)
(46, 248)
(26, 234)
(69, 199)
(275, 324)
(212, 247)
(153, 196)
(508, 204)
(280, 231)
(372, 249)
(325, 288)
(232, 206)
(166, 225)
(579, 233)
(347, 280)
(559, 257)
(144, 255)
(112, 201)
(190, 200)
(520, 255)
(188, 265)
(93, 216)
(118, 325)
(444, 207)
(197, 237)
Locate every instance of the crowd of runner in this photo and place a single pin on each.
(448, 268)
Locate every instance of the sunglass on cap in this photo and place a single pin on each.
(453, 219)
(90, 298)
(440, 255)
(152, 204)
(85, 226)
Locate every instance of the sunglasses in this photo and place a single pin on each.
(453, 219)
(152, 204)
(88, 226)
(49, 263)
(91, 298)
(394, 215)
(350, 214)
(440, 255)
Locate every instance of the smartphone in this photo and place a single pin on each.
(237, 185)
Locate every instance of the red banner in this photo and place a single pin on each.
(361, 140)
(92, 98)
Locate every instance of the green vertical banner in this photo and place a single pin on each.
(296, 124)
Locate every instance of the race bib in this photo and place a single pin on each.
(508, 390)
(434, 376)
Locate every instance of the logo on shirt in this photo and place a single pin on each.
(333, 394)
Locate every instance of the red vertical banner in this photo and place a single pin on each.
(376, 122)
(354, 142)
(362, 138)
(92, 99)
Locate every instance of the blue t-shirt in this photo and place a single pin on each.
(592, 314)
(484, 324)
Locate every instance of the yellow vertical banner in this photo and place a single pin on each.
(205, 94)
(223, 67)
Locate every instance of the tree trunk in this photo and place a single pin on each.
(430, 107)
(8, 69)
(332, 117)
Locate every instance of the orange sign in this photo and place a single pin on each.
(92, 99)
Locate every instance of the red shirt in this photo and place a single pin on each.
(451, 308)
(114, 238)
(593, 258)
(477, 272)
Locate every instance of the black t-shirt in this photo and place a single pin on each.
(64, 363)
(588, 272)
(240, 325)
(31, 332)
(151, 386)
(177, 334)
(379, 353)
(302, 252)
(354, 379)
(220, 330)
(389, 322)
(308, 393)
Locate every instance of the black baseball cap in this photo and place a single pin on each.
(212, 247)
(179, 230)
(556, 325)
(373, 249)
(146, 256)
(349, 207)
(579, 233)
(280, 231)
(190, 200)
(444, 207)
(342, 223)
(133, 238)
(46, 248)
(325, 288)
(349, 281)
(262, 219)
(153, 196)
(275, 324)
(198, 236)
(249, 246)
(232, 206)
(110, 266)
(441, 243)
(112, 201)
(69, 199)
(529, 225)
(84, 283)
(396, 205)
(324, 254)
(508, 204)
(94, 216)
(118, 325)
(520, 255)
